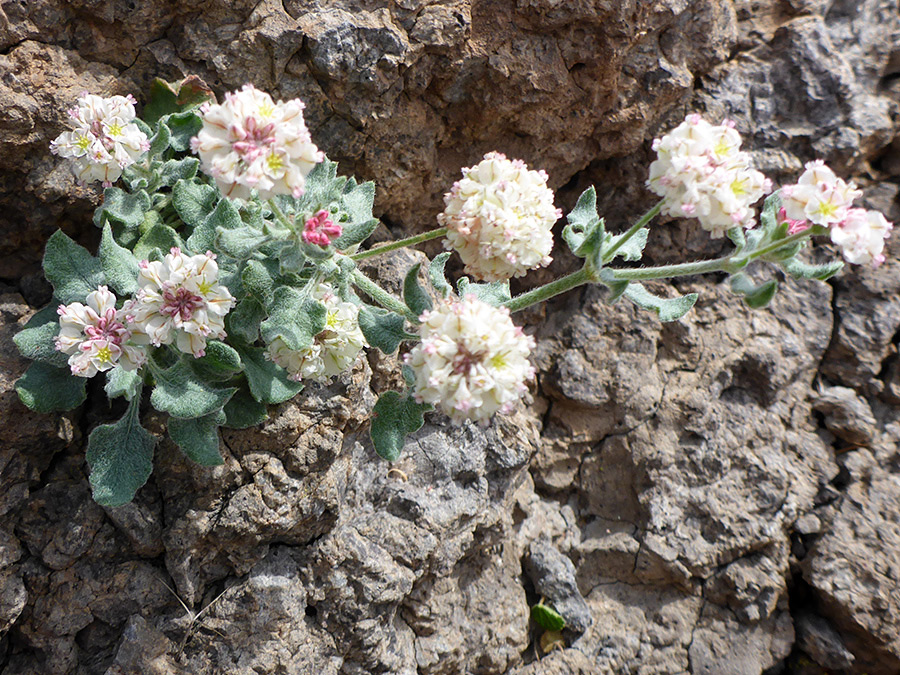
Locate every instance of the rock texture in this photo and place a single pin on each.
(719, 495)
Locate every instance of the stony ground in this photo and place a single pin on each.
(717, 496)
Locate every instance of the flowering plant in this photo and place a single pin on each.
(225, 281)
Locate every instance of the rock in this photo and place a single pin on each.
(816, 637)
(553, 576)
(853, 566)
(676, 474)
(847, 415)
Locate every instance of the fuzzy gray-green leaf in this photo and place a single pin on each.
(199, 438)
(71, 269)
(668, 309)
(45, 388)
(120, 457)
(119, 265)
(181, 393)
(393, 417)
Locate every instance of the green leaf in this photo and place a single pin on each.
(157, 241)
(121, 382)
(71, 269)
(177, 96)
(547, 617)
(244, 320)
(268, 381)
(184, 126)
(358, 200)
(414, 295)
(240, 243)
(668, 309)
(181, 393)
(801, 270)
(383, 329)
(495, 293)
(768, 217)
(119, 265)
(755, 296)
(437, 276)
(159, 143)
(632, 249)
(120, 457)
(220, 362)
(582, 234)
(194, 202)
(45, 388)
(736, 234)
(259, 280)
(123, 208)
(616, 286)
(293, 318)
(355, 233)
(395, 416)
(243, 411)
(37, 340)
(175, 170)
(225, 216)
(199, 438)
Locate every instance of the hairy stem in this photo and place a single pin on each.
(382, 297)
(550, 290)
(400, 243)
(641, 222)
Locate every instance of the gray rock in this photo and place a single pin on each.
(553, 576)
(847, 415)
(821, 642)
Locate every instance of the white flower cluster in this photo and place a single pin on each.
(701, 173)
(249, 141)
(103, 139)
(821, 198)
(333, 351)
(472, 360)
(499, 217)
(180, 300)
(96, 337)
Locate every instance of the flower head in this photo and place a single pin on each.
(180, 301)
(819, 196)
(103, 138)
(333, 350)
(861, 236)
(701, 173)
(499, 217)
(472, 360)
(249, 141)
(95, 336)
(320, 229)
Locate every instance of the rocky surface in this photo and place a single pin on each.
(719, 495)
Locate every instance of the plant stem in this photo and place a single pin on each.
(781, 243)
(279, 214)
(550, 290)
(643, 220)
(677, 270)
(382, 297)
(400, 243)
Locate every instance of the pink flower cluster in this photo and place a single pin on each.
(321, 230)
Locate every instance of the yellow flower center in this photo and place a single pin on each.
(498, 361)
(104, 355)
(331, 321)
(204, 287)
(274, 162)
(114, 129)
(739, 188)
(83, 142)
